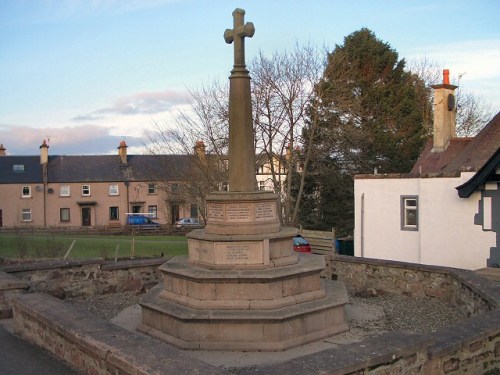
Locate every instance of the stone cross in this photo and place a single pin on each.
(241, 137)
(237, 34)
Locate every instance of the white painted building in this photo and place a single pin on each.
(446, 211)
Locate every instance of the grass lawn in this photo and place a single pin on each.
(89, 246)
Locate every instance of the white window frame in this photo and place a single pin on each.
(153, 212)
(152, 189)
(406, 208)
(113, 189)
(26, 215)
(85, 187)
(28, 195)
(64, 191)
(61, 215)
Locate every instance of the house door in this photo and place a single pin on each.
(86, 217)
(175, 213)
(136, 209)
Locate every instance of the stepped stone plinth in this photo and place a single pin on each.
(242, 287)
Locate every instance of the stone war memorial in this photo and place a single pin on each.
(242, 287)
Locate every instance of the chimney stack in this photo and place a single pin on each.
(199, 149)
(44, 153)
(122, 151)
(444, 113)
(2, 150)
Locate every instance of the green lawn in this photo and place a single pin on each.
(89, 246)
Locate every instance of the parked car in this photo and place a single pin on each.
(187, 223)
(301, 245)
(142, 222)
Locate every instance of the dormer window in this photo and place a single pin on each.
(18, 168)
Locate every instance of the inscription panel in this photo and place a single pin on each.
(265, 211)
(239, 253)
(215, 212)
(240, 212)
(202, 251)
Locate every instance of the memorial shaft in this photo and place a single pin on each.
(241, 135)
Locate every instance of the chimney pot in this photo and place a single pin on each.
(2, 150)
(446, 77)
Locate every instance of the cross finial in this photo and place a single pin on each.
(237, 34)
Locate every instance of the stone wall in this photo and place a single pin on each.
(468, 292)
(470, 346)
(77, 278)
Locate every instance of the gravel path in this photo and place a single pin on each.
(390, 312)
(422, 315)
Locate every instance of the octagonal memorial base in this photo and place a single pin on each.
(268, 309)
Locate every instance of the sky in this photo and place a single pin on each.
(86, 74)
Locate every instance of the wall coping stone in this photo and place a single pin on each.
(463, 333)
(133, 263)
(11, 282)
(59, 263)
(49, 264)
(130, 352)
(488, 290)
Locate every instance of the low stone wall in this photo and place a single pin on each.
(470, 346)
(77, 278)
(94, 346)
(469, 292)
(10, 286)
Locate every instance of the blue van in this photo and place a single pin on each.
(142, 222)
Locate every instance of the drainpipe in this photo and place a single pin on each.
(362, 225)
(44, 161)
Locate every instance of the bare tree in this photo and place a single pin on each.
(200, 136)
(282, 87)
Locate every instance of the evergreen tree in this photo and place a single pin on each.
(368, 116)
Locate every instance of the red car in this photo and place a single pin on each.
(301, 245)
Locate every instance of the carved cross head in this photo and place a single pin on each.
(237, 34)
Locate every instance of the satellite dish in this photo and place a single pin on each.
(50, 190)
(38, 188)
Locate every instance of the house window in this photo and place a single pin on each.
(64, 214)
(113, 213)
(409, 212)
(85, 190)
(153, 212)
(175, 188)
(26, 191)
(26, 214)
(151, 188)
(262, 185)
(113, 189)
(64, 191)
(194, 210)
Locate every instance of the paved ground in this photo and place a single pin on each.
(17, 357)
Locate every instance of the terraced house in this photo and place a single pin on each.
(91, 190)
(62, 191)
